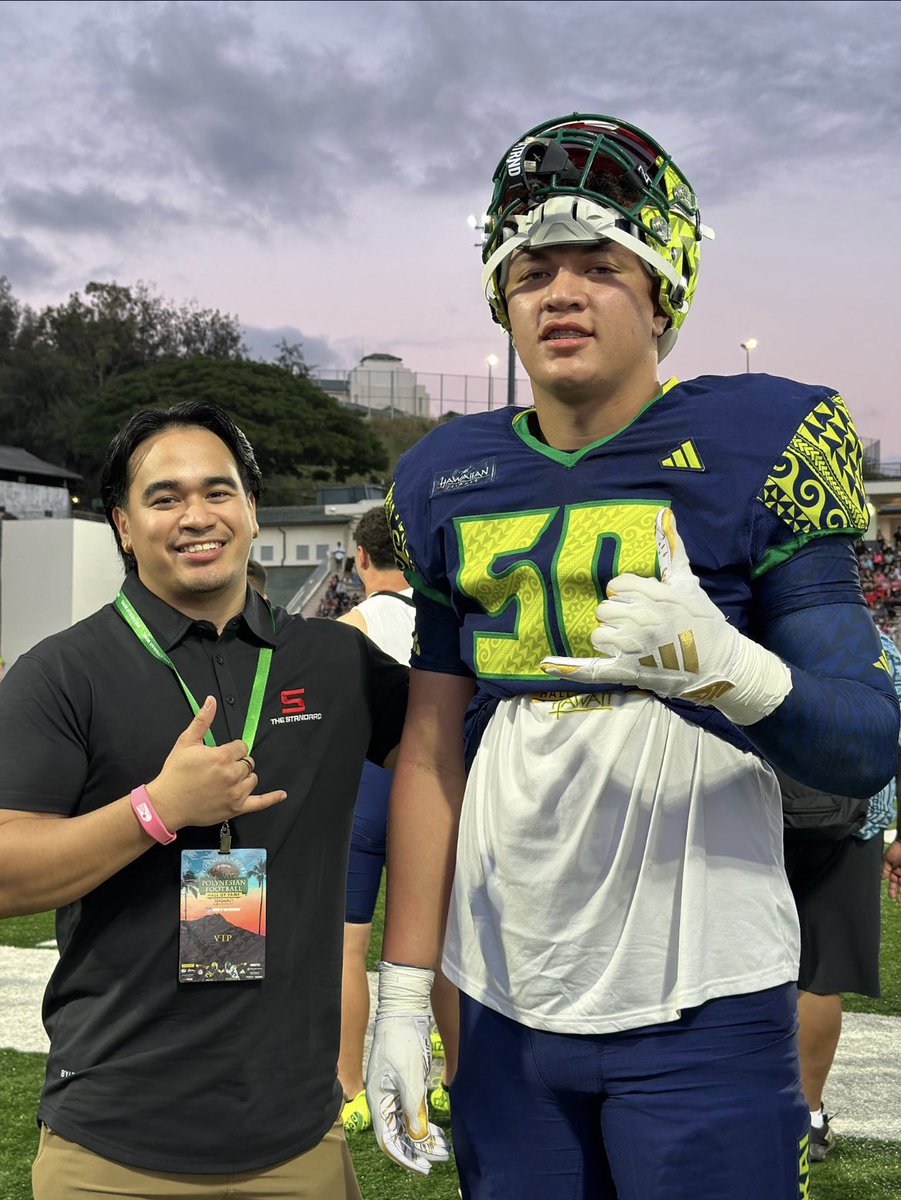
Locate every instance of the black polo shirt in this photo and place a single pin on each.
(200, 1077)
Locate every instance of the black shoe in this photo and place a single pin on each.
(821, 1140)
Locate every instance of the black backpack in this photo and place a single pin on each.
(809, 814)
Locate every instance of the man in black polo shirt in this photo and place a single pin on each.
(197, 863)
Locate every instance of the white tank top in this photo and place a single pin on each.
(389, 622)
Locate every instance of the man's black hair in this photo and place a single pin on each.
(116, 477)
(373, 534)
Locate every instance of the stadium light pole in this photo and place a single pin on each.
(491, 360)
(748, 346)
(477, 224)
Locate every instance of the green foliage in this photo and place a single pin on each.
(71, 374)
(398, 433)
(113, 329)
(290, 357)
(52, 362)
(291, 423)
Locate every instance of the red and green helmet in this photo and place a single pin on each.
(591, 178)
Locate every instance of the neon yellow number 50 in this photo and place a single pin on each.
(498, 568)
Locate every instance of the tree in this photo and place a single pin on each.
(113, 329)
(52, 362)
(292, 424)
(10, 316)
(290, 357)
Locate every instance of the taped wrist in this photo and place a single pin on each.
(404, 989)
(760, 682)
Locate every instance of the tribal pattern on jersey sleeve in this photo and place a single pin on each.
(816, 487)
(398, 533)
(402, 554)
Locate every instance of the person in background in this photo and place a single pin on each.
(385, 615)
(836, 883)
(256, 576)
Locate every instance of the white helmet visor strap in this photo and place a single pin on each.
(561, 221)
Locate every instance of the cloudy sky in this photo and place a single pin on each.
(310, 166)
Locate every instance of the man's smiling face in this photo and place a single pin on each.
(189, 521)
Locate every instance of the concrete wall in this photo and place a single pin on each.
(52, 573)
(28, 500)
(283, 545)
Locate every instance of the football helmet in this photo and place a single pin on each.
(590, 178)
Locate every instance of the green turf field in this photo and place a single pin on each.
(856, 1170)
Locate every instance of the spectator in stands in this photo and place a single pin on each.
(834, 874)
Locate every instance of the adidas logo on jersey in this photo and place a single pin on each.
(684, 458)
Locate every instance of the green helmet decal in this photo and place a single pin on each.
(591, 178)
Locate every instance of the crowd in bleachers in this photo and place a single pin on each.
(341, 594)
(880, 578)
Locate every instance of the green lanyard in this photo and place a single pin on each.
(133, 619)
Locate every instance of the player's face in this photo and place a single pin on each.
(584, 320)
(189, 521)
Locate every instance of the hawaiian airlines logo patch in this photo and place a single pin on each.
(294, 708)
(473, 475)
(685, 457)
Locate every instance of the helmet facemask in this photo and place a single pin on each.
(594, 178)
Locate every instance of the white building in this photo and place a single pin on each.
(30, 487)
(380, 383)
(296, 541)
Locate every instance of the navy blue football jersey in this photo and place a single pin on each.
(515, 542)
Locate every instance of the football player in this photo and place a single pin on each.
(638, 594)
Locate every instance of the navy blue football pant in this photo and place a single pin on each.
(367, 844)
(708, 1107)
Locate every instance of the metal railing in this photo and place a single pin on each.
(309, 586)
(443, 392)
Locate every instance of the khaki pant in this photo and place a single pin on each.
(65, 1171)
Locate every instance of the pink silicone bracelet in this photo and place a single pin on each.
(148, 817)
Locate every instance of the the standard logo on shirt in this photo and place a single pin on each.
(469, 476)
(294, 708)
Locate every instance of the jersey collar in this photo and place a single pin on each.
(570, 458)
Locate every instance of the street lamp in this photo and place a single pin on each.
(478, 224)
(748, 346)
(491, 360)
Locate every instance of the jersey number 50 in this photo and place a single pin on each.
(555, 584)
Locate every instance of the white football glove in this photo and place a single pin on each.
(398, 1070)
(666, 635)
